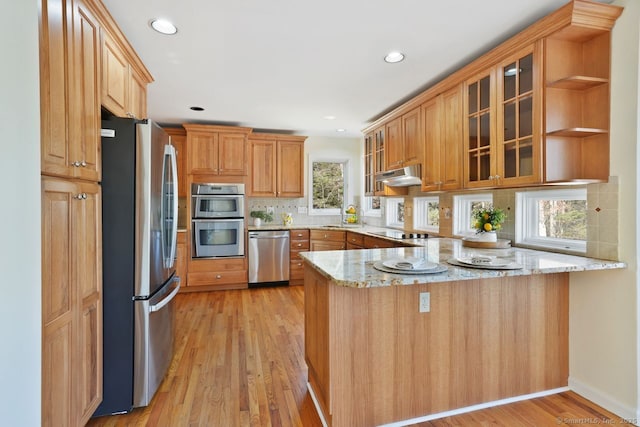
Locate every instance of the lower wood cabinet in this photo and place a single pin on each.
(374, 243)
(71, 301)
(327, 240)
(299, 242)
(354, 240)
(214, 274)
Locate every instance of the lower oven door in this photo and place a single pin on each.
(153, 341)
(218, 237)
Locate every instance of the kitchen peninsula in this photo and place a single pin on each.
(488, 335)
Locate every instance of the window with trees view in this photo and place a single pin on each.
(553, 219)
(328, 186)
(426, 213)
(463, 207)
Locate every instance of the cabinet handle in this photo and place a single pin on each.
(218, 276)
(80, 196)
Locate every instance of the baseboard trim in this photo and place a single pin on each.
(453, 411)
(628, 414)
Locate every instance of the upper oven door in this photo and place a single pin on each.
(223, 206)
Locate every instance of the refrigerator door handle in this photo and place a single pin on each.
(166, 300)
(169, 149)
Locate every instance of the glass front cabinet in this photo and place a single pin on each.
(503, 126)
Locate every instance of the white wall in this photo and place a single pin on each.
(20, 215)
(603, 328)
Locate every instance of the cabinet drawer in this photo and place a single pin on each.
(351, 246)
(333, 235)
(295, 254)
(217, 278)
(299, 234)
(374, 242)
(296, 270)
(299, 245)
(355, 238)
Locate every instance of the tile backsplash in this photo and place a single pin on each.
(282, 205)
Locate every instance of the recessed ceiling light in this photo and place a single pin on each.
(163, 26)
(196, 108)
(340, 130)
(329, 117)
(393, 57)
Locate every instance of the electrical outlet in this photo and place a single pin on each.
(270, 210)
(425, 302)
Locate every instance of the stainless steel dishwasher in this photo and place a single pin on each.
(268, 258)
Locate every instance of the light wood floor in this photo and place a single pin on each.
(239, 361)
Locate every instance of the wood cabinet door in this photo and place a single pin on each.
(394, 147)
(137, 103)
(58, 303)
(85, 112)
(479, 130)
(263, 168)
(56, 53)
(182, 253)
(369, 165)
(290, 182)
(432, 146)
(115, 75)
(87, 256)
(451, 142)
(71, 301)
(203, 153)
(412, 137)
(519, 118)
(232, 154)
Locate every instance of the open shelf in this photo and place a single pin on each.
(578, 82)
(577, 132)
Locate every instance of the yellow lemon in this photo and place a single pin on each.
(486, 215)
(487, 227)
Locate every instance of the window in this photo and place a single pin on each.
(463, 206)
(328, 183)
(555, 219)
(372, 206)
(426, 213)
(395, 212)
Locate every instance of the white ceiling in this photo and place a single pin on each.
(286, 64)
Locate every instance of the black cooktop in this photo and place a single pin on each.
(399, 235)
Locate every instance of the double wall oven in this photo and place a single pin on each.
(217, 215)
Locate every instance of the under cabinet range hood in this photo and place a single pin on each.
(403, 177)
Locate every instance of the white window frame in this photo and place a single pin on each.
(527, 219)
(391, 210)
(420, 208)
(462, 225)
(345, 192)
(368, 210)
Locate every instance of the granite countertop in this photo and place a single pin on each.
(355, 268)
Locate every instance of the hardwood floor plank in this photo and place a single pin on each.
(239, 361)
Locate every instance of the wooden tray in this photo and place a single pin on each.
(500, 244)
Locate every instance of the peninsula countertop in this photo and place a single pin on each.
(355, 268)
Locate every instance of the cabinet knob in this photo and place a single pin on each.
(299, 245)
(490, 177)
(80, 196)
(75, 164)
(83, 164)
(218, 276)
(325, 236)
(496, 177)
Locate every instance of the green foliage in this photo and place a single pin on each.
(267, 217)
(488, 219)
(328, 185)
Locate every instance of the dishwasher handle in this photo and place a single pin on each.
(257, 236)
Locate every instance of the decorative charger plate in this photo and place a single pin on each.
(379, 265)
(486, 266)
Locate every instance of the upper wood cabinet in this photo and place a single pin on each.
(503, 108)
(217, 150)
(374, 156)
(577, 106)
(442, 124)
(535, 109)
(69, 91)
(179, 142)
(124, 88)
(71, 301)
(404, 140)
(277, 165)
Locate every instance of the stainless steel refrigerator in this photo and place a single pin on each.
(139, 225)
